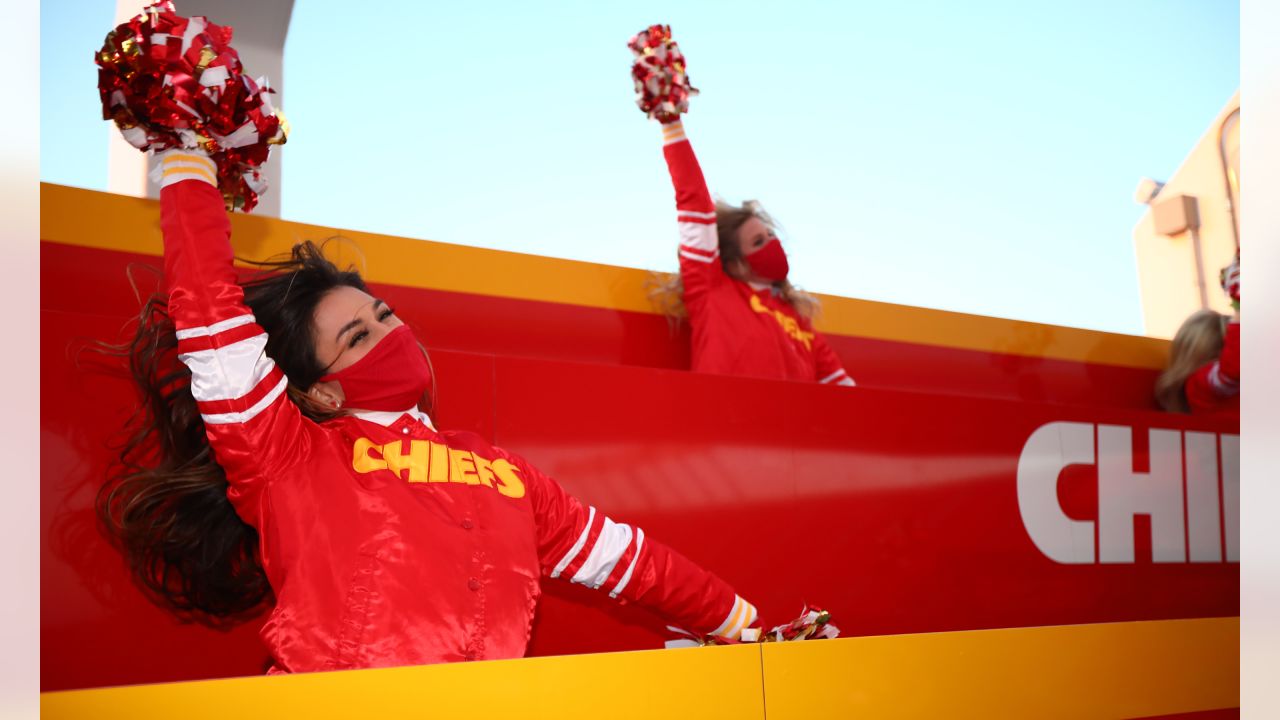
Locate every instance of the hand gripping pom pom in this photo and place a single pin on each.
(662, 85)
(1230, 280)
(813, 624)
(175, 82)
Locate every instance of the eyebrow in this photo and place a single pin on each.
(357, 322)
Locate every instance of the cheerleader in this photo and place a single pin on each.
(746, 316)
(290, 460)
(1203, 376)
(297, 464)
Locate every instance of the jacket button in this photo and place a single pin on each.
(473, 584)
(406, 431)
(467, 524)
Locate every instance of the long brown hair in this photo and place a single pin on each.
(164, 504)
(1197, 342)
(666, 290)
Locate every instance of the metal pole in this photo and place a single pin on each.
(1226, 173)
(1195, 244)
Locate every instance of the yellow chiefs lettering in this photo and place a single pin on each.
(423, 461)
(789, 324)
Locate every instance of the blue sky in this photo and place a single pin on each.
(978, 157)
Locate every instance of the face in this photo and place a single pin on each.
(752, 235)
(348, 323)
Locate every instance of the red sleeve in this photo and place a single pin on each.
(1229, 360)
(580, 544)
(700, 267)
(827, 365)
(253, 428)
(1219, 380)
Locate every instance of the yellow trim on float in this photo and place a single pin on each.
(1118, 670)
(1113, 670)
(74, 216)
(721, 683)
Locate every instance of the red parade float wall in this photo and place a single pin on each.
(896, 504)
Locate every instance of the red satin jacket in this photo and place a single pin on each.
(737, 329)
(1214, 389)
(389, 544)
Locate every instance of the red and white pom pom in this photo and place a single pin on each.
(662, 84)
(174, 82)
(1230, 279)
(812, 623)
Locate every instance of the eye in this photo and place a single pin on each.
(357, 338)
(386, 313)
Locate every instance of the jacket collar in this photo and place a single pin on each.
(386, 418)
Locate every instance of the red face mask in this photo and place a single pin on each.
(770, 261)
(394, 375)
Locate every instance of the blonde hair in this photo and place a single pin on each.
(1197, 342)
(666, 290)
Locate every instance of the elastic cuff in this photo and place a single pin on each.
(672, 132)
(174, 166)
(741, 615)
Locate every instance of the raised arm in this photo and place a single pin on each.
(695, 214)
(252, 426)
(582, 545)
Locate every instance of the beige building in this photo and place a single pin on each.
(1190, 229)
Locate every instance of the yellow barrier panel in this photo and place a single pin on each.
(85, 218)
(722, 682)
(1111, 670)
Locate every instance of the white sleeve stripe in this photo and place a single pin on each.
(247, 415)
(699, 236)
(691, 213)
(700, 251)
(832, 376)
(230, 372)
(635, 556)
(1220, 383)
(215, 328)
(699, 258)
(610, 545)
(848, 382)
(577, 546)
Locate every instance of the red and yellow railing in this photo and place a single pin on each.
(481, 300)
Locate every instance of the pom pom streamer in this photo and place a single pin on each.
(174, 82)
(813, 624)
(662, 85)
